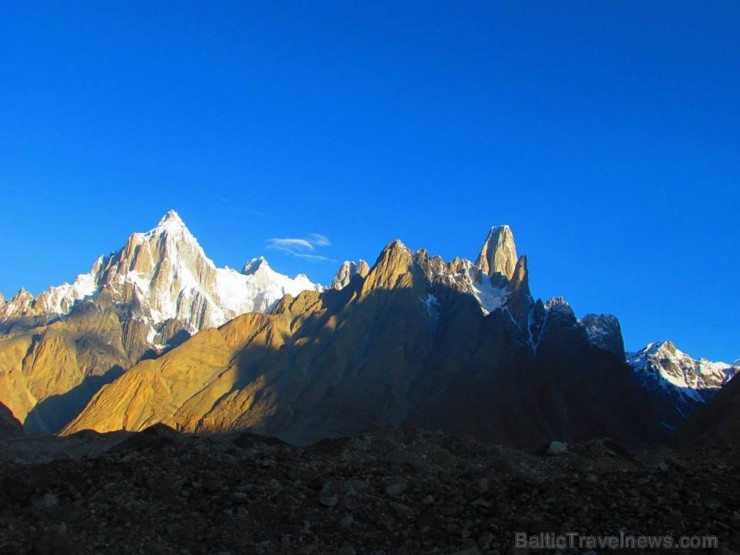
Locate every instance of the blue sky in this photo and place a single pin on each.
(605, 133)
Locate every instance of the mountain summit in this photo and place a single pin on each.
(498, 255)
(415, 340)
(678, 383)
(152, 294)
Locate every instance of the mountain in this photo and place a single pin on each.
(678, 384)
(58, 349)
(715, 425)
(166, 275)
(458, 346)
(347, 271)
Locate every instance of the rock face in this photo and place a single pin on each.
(452, 345)
(605, 332)
(347, 271)
(498, 255)
(678, 384)
(166, 276)
(58, 349)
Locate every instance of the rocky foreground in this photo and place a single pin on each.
(385, 491)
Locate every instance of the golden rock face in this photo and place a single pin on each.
(406, 343)
(49, 373)
(412, 340)
(58, 348)
(498, 255)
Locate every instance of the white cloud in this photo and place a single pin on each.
(301, 247)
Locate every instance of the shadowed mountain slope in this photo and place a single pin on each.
(412, 342)
(59, 348)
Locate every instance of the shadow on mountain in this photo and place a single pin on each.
(715, 425)
(389, 358)
(53, 413)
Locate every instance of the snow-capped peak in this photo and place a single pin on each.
(171, 218)
(170, 225)
(253, 265)
(168, 276)
(666, 362)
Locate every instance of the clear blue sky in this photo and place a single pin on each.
(607, 134)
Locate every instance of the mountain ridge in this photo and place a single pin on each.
(59, 348)
(447, 327)
(412, 341)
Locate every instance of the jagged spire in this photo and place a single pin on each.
(393, 269)
(498, 255)
(347, 271)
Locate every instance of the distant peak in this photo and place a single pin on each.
(392, 270)
(498, 254)
(347, 271)
(255, 264)
(669, 346)
(396, 245)
(170, 225)
(660, 346)
(171, 218)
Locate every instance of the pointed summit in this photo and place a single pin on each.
(170, 224)
(393, 269)
(347, 271)
(253, 265)
(171, 217)
(498, 255)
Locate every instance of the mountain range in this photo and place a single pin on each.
(58, 348)
(156, 333)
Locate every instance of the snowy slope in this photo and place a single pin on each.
(165, 274)
(678, 381)
(671, 368)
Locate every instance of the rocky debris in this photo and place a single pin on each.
(391, 491)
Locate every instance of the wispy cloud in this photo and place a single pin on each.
(301, 247)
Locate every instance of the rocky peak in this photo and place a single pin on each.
(171, 219)
(393, 269)
(667, 347)
(22, 295)
(347, 271)
(604, 332)
(559, 308)
(519, 299)
(19, 305)
(170, 225)
(254, 265)
(498, 255)
(519, 280)
(665, 361)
